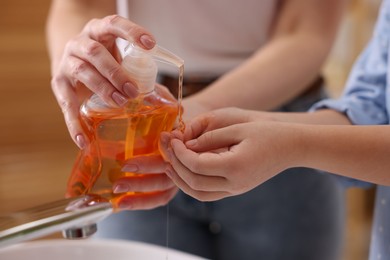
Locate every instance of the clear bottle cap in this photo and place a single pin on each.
(141, 65)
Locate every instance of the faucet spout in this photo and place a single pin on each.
(76, 217)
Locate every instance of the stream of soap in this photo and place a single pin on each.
(181, 128)
(180, 98)
(167, 237)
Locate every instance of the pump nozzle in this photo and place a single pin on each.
(141, 66)
(159, 53)
(166, 56)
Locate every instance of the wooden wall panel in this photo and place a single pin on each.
(36, 153)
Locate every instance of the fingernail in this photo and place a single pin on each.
(121, 188)
(177, 134)
(147, 41)
(119, 99)
(168, 172)
(164, 139)
(130, 90)
(170, 153)
(80, 141)
(125, 203)
(191, 142)
(130, 168)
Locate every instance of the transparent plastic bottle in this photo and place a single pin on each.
(117, 134)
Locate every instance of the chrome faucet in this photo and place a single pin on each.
(75, 217)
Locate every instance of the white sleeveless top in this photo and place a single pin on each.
(212, 36)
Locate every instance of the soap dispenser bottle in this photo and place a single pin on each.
(117, 134)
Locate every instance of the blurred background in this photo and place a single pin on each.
(36, 153)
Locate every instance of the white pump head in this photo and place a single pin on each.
(141, 65)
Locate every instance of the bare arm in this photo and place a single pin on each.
(320, 117)
(81, 36)
(85, 58)
(360, 152)
(301, 40)
(326, 140)
(67, 18)
(218, 148)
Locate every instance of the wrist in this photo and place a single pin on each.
(296, 145)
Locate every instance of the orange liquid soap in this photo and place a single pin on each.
(118, 134)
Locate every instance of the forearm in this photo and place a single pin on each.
(320, 117)
(326, 140)
(299, 43)
(67, 18)
(360, 152)
(274, 75)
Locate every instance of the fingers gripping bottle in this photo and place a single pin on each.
(117, 134)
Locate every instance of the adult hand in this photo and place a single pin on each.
(149, 178)
(90, 63)
(225, 153)
(154, 187)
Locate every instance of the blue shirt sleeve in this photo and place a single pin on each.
(365, 100)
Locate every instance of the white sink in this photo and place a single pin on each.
(91, 249)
